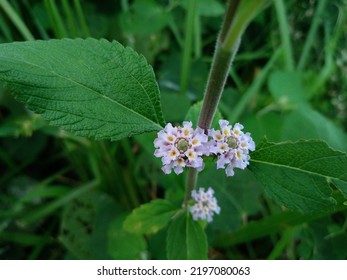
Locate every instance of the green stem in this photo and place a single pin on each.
(236, 19)
(6, 30)
(16, 20)
(284, 30)
(81, 19)
(219, 71)
(70, 19)
(229, 16)
(37, 21)
(188, 42)
(191, 182)
(56, 19)
(311, 34)
(221, 63)
(246, 10)
(125, 5)
(281, 244)
(218, 75)
(324, 75)
(197, 36)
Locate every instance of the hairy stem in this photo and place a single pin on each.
(239, 13)
(218, 75)
(190, 184)
(221, 63)
(222, 60)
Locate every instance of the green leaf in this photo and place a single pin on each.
(297, 174)
(150, 217)
(123, 245)
(306, 123)
(94, 88)
(186, 239)
(144, 17)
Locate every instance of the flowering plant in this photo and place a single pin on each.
(103, 90)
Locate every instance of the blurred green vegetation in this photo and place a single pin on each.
(65, 197)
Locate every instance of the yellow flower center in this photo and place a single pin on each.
(191, 155)
(173, 153)
(219, 136)
(170, 138)
(223, 147)
(186, 132)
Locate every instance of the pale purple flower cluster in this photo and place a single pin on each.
(180, 147)
(184, 146)
(205, 205)
(231, 146)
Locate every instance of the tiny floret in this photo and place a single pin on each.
(231, 146)
(180, 147)
(205, 205)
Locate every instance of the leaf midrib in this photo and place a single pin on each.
(99, 94)
(296, 169)
(123, 50)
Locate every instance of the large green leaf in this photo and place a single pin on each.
(297, 174)
(150, 217)
(94, 88)
(186, 239)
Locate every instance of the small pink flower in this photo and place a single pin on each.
(205, 205)
(231, 146)
(180, 147)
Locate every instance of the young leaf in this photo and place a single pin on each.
(150, 217)
(297, 174)
(186, 239)
(94, 88)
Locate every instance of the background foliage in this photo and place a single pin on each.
(64, 196)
